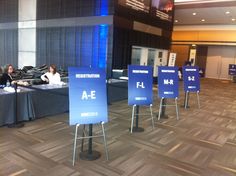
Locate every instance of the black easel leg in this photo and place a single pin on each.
(90, 154)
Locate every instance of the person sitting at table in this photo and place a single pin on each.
(6, 76)
(52, 76)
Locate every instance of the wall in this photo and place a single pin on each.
(75, 33)
(9, 32)
(182, 54)
(137, 28)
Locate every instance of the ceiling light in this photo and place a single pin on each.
(203, 20)
(176, 21)
(228, 12)
(233, 19)
(194, 13)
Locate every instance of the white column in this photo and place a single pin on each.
(144, 56)
(27, 33)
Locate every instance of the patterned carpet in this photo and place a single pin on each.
(201, 143)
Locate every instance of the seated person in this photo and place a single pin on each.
(6, 76)
(52, 77)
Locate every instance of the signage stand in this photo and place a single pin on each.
(163, 110)
(87, 89)
(89, 154)
(168, 88)
(137, 128)
(140, 93)
(176, 107)
(186, 101)
(191, 83)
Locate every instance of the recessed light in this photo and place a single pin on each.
(203, 20)
(194, 13)
(233, 19)
(228, 12)
(176, 21)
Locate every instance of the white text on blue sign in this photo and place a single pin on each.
(140, 85)
(168, 81)
(91, 95)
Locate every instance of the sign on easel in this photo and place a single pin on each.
(232, 69)
(191, 78)
(168, 87)
(140, 85)
(168, 82)
(172, 59)
(140, 92)
(87, 96)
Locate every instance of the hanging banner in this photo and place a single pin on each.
(191, 79)
(232, 69)
(87, 96)
(140, 85)
(168, 82)
(172, 59)
(192, 56)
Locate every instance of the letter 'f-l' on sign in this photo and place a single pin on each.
(140, 85)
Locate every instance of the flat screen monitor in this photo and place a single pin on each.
(162, 9)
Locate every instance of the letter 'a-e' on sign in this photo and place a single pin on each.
(140, 85)
(87, 96)
(168, 82)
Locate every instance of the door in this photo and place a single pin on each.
(228, 57)
(213, 67)
(224, 67)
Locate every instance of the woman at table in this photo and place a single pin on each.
(6, 78)
(52, 77)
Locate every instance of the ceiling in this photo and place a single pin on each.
(207, 12)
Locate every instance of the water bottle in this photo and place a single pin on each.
(8, 83)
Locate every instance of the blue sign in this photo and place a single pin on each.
(232, 69)
(140, 85)
(87, 96)
(168, 82)
(191, 79)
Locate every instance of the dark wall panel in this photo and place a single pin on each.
(124, 39)
(51, 9)
(146, 18)
(201, 56)
(75, 46)
(8, 11)
(9, 47)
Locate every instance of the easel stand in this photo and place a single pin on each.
(176, 107)
(89, 154)
(137, 128)
(186, 100)
(163, 110)
(16, 124)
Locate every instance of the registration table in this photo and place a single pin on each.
(7, 105)
(46, 100)
(33, 102)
